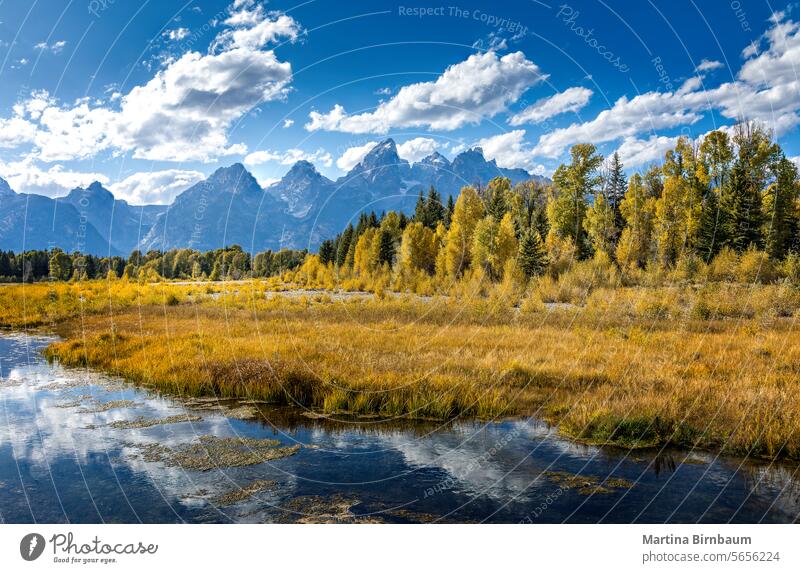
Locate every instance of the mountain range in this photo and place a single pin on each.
(230, 207)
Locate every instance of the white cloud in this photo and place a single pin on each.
(570, 100)
(690, 85)
(185, 111)
(635, 152)
(32, 108)
(27, 177)
(15, 132)
(509, 150)
(418, 148)
(643, 113)
(252, 29)
(289, 157)
(74, 133)
(466, 93)
(177, 34)
(708, 65)
(354, 155)
(155, 187)
(767, 89)
(55, 47)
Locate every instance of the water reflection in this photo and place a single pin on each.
(60, 461)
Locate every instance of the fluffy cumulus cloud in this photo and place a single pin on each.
(570, 100)
(353, 155)
(252, 28)
(185, 111)
(627, 117)
(634, 152)
(26, 176)
(418, 148)
(155, 187)
(289, 157)
(766, 89)
(15, 132)
(481, 86)
(509, 150)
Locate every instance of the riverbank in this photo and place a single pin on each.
(632, 367)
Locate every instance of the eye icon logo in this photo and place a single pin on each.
(31, 547)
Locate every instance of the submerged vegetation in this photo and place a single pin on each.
(211, 452)
(661, 312)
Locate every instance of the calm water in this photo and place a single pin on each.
(61, 462)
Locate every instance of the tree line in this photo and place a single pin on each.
(230, 263)
(734, 192)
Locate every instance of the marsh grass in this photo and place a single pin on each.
(713, 366)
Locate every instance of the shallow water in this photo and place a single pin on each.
(60, 461)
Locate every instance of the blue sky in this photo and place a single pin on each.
(149, 97)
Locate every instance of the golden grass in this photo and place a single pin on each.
(712, 367)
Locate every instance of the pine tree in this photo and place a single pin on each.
(344, 245)
(420, 214)
(386, 247)
(361, 226)
(781, 210)
(496, 204)
(532, 257)
(743, 211)
(349, 259)
(710, 236)
(5, 265)
(616, 186)
(327, 252)
(448, 214)
(434, 210)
